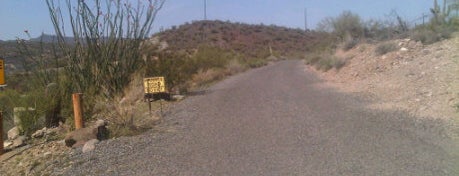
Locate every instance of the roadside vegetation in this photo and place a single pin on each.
(348, 30)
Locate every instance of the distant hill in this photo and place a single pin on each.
(243, 38)
(46, 38)
(252, 41)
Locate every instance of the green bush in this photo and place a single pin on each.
(385, 48)
(32, 106)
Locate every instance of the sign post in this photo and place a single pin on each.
(155, 89)
(2, 73)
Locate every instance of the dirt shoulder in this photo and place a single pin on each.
(423, 80)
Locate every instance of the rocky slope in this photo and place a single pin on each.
(421, 79)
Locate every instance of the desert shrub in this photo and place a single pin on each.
(428, 35)
(254, 62)
(234, 66)
(385, 48)
(32, 107)
(346, 24)
(209, 57)
(173, 66)
(203, 77)
(328, 62)
(9, 99)
(312, 58)
(349, 43)
(425, 36)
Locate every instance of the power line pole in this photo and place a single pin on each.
(305, 19)
(205, 9)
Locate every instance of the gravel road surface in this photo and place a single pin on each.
(276, 120)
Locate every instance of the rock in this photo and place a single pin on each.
(425, 51)
(6, 144)
(39, 133)
(403, 49)
(79, 137)
(178, 97)
(19, 141)
(100, 123)
(13, 133)
(90, 145)
(46, 154)
(419, 44)
(51, 131)
(412, 44)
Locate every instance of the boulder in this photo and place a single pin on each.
(13, 133)
(90, 145)
(80, 136)
(19, 141)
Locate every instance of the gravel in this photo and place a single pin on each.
(276, 120)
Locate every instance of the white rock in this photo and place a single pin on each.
(7, 143)
(19, 141)
(46, 154)
(39, 133)
(13, 133)
(178, 97)
(403, 49)
(90, 145)
(100, 123)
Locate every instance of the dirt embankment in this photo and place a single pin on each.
(422, 79)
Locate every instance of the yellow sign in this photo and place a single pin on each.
(2, 72)
(154, 85)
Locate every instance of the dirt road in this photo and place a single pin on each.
(276, 120)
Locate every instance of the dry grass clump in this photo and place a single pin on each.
(325, 62)
(385, 48)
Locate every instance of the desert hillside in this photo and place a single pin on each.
(248, 39)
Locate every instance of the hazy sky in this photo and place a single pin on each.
(32, 15)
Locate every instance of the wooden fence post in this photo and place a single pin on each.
(78, 110)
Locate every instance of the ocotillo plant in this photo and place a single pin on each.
(106, 39)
